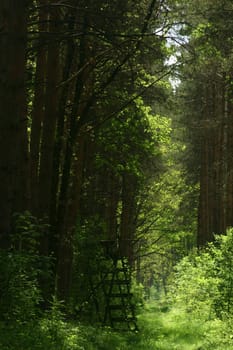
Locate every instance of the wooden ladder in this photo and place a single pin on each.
(119, 307)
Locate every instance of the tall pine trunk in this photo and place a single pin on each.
(49, 123)
(128, 216)
(38, 107)
(13, 114)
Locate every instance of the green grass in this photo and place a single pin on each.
(167, 330)
(177, 330)
(160, 329)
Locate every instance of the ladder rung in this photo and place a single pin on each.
(118, 282)
(116, 307)
(121, 295)
(118, 319)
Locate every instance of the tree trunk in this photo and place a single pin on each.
(65, 252)
(229, 166)
(211, 217)
(13, 113)
(49, 124)
(38, 108)
(128, 214)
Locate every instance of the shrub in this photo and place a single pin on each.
(203, 281)
(20, 270)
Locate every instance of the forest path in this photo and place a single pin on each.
(159, 329)
(162, 329)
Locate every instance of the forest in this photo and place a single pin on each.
(116, 175)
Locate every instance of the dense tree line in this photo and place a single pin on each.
(76, 142)
(97, 145)
(206, 93)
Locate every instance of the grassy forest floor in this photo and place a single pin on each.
(160, 329)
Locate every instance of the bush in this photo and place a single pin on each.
(19, 291)
(203, 281)
(20, 270)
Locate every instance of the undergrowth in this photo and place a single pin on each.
(170, 330)
(197, 313)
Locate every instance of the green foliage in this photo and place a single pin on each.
(88, 262)
(159, 330)
(167, 219)
(200, 296)
(195, 285)
(20, 270)
(19, 291)
(223, 270)
(138, 291)
(131, 143)
(26, 233)
(203, 280)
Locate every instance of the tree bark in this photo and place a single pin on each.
(13, 113)
(49, 124)
(229, 166)
(128, 214)
(38, 108)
